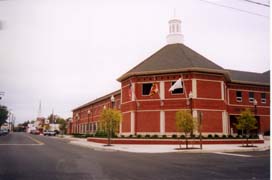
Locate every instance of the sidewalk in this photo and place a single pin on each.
(166, 148)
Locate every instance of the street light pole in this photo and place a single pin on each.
(88, 127)
(191, 104)
(112, 106)
(255, 102)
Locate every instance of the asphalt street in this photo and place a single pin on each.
(25, 156)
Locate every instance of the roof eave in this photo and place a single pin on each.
(197, 69)
(98, 99)
(250, 83)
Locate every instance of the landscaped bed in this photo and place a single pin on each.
(173, 141)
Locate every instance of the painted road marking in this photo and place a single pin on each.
(35, 140)
(21, 144)
(37, 143)
(231, 154)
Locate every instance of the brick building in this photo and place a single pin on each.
(220, 94)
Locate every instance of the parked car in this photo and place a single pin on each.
(49, 133)
(37, 132)
(3, 132)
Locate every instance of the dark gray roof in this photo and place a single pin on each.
(249, 77)
(172, 57)
(99, 99)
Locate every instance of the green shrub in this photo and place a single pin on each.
(100, 134)
(155, 136)
(210, 136)
(139, 136)
(230, 136)
(216, 136)
(147, 136)
(182, 136)
(224, 136)
(164, 136)
(130, 136)
(254, 136)
(174, 136)
(122, 136)
(193, 136)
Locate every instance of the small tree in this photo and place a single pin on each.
(62, 124)
(109, 122)
(3, 115)
(246, 122)
(185, 123)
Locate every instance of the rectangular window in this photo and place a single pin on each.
(239, 97)
(146, 89)
(263, 98)
(251, 96)
(178, 90)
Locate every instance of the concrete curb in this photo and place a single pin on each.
(115, 148)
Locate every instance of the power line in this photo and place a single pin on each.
(258, 3)
(233, 8)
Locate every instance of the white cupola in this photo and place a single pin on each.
(175, 36)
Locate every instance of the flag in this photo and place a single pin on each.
(177, 85)
(154, 89)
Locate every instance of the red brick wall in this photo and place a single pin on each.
(208, 89)
(148, 121)
(126, 122)
(170, 121)
(212, 121)
(264, 123)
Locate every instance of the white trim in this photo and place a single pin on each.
(222, 91)
(132, 122)
(126, 112)
(207, 80)
(233, 114)
(173, 80)
(228, 96)
(248, 105)
(162, 90)
(162, 122)
(125, 86)
(213, 99)
(133, 92)
(169, 110)
(194, 113)
(172, 99)
(225, 122)
(194, 88)
(248, 90)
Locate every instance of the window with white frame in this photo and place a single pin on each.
(178, 90)
(239, 96)
(263, 98)
(146, 89)
(251, 97)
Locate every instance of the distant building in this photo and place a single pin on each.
(220, 94)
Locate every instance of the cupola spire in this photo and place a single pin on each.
(175, 36)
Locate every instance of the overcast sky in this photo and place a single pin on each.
(68, 52)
